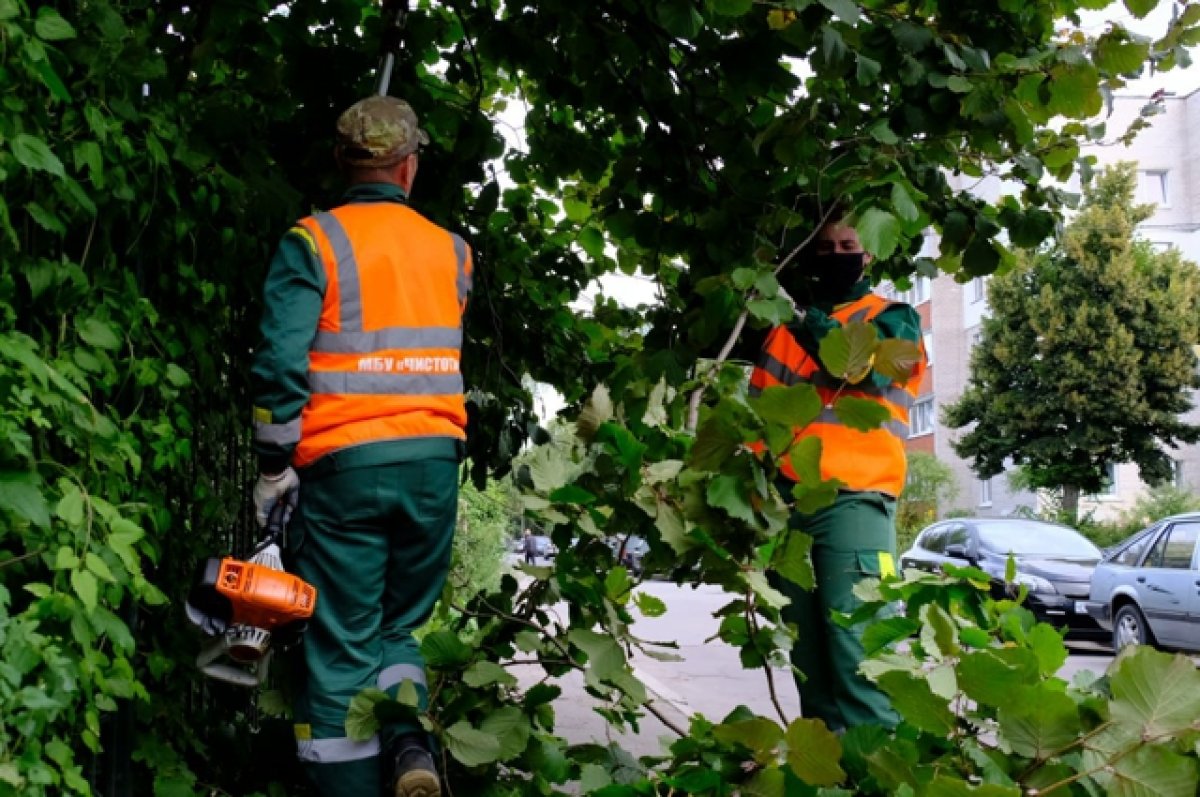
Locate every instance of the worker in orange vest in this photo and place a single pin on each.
(359, 407)
(855, 538)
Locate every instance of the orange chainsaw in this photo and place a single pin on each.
(244, 604)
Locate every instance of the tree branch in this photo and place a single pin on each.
(693, 416)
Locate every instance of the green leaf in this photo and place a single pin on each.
(32, 153)
(1140, 8)
(679, 18)
(814, 752)
(443, 649)
(731, 494)
(861, 414)
(1117, 55)
(757, 581)
(897, 359)
(792, 560)
(759, 735)
(71, 506)
(98, 333)
(1152, 770)
(883, 633)
(794, 406)
(510, 727)
(51, 80)
(1157, 692)
(66, 559)
(572, 494)
(86, 589)
(672, 528)
(813, 497)
(617, 585)
(805, 459)
(604, 655)
(1075, 91)
(361, 720)
(486, 673)
(991, 677)
(20, 494)
(731, 8)
(845, 10)
(663, 471)
(46, 219)
(879, 232)
(1040, 723)
(847, 351)
(716, 441)
(597, 411)
(649, 605)
(9, 9)
(775, 311)
(470, 746)
(98, 567)
(1047, 644)
(51, 27)
(903, 204)
(916, 702)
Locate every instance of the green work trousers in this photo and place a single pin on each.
(376, 542)
(853, 539)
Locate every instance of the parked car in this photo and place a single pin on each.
(1055, 562)
(1146, 591)
(629, 551)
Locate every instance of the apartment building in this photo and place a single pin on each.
(951, 312)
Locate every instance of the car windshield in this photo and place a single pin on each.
(1035, 539)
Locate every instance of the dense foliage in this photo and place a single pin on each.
(1087, 359)
(151, 153)
(930, 491)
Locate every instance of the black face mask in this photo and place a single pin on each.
(830, 277)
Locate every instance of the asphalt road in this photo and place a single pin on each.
(709, 678)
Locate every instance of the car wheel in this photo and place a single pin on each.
(1129, 628)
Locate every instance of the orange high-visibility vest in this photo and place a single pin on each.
(863, 461)
(385, 362)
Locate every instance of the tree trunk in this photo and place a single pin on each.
(1070, 502)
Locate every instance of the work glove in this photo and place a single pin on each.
(270, 489)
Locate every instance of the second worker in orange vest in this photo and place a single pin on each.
(359, 402)
(855, 538)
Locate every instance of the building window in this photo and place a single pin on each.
(1109, 490)
(976, 336)
(928, 340)
(1177, 473)
(920, 418)
(1152, 187)
(985, 492)
(978, 289)
(918, 293)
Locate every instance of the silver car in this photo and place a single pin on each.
(1147, 589)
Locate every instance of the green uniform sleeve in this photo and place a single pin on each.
(292, 300)
(897, 321)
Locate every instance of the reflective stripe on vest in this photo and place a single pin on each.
(398, 674)
(402, 377)
(336, 750)
(872, 460)
(283, 434)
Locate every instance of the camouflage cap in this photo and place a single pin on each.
(378, 131)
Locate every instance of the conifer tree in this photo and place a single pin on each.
(1087, 359)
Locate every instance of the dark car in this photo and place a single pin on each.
(629, 551)
(1147, 589)
(1055, 562)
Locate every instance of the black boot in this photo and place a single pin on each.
(413, 771)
